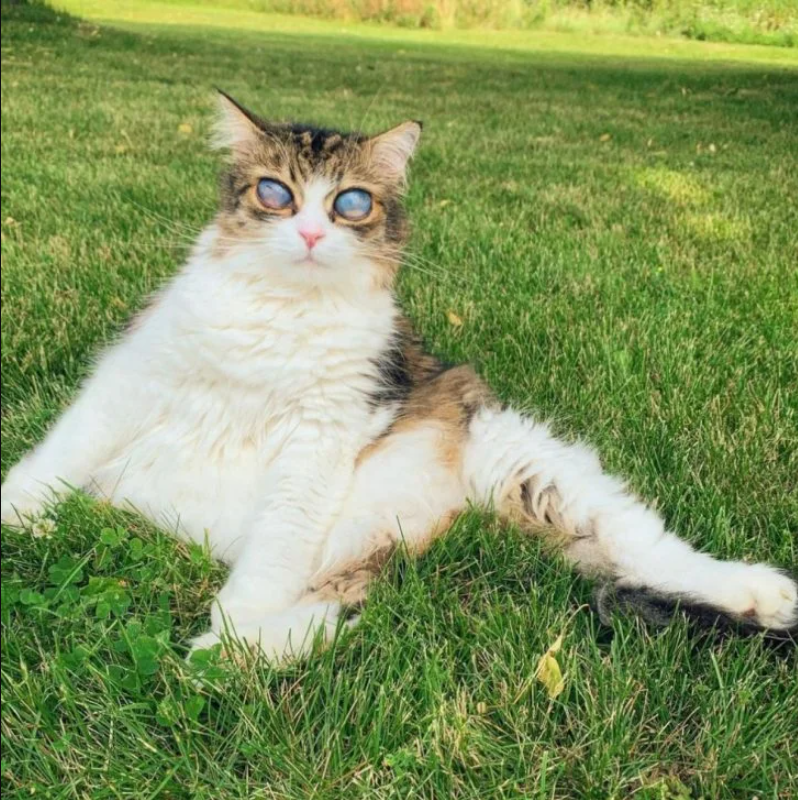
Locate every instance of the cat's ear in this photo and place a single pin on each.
(236, 127)
(391, 151)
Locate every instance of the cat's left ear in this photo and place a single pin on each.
(391, 151)
(236, 126)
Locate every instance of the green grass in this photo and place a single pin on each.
(230, 21)
(617, 231)
(752, 21)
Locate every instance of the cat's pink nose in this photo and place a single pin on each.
(311, 236)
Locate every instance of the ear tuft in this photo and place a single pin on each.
(391, 151)
(235, 125)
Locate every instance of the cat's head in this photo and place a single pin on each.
(322, 207)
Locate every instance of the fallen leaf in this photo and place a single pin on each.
(454, 319)
(549, 672)
(185, 128)
(605, 137)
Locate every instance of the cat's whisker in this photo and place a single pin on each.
(172, 223)
(432, 274)
(179, 230)
(353, 151)
(434, 265)
(362, 125)
(412, 260)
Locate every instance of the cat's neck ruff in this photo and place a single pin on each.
(232, 319)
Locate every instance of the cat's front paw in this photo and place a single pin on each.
(764, 596)
(244, 648)
(279, 637)
(19, 507)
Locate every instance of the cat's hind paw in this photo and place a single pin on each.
(758, 597)
(766, 597)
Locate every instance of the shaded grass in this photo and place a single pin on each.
(617, 235)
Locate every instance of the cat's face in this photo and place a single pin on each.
(322, 207)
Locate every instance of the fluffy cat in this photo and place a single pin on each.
(274, 401)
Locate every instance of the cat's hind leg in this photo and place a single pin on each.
(407, 490)
(560, 489)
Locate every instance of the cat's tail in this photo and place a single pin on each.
(514, 464)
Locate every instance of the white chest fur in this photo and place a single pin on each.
(220, 377)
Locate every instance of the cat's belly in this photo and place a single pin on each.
(201, 491)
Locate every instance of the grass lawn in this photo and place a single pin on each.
(616, 229)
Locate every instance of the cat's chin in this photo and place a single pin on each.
(319, 271)
(276, 266)
(315, 274)
(336, 262)
(308, 261)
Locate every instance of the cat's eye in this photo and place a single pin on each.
(273, 194)
(353, 204)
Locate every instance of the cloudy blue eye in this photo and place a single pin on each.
(353, 204)
(274, 194)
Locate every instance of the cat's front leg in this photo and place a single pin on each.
(81, 439)
(302, 495)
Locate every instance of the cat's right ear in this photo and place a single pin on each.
(236, 127)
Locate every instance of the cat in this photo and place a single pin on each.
(274, 401)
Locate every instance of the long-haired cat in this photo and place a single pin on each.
(274, 400)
